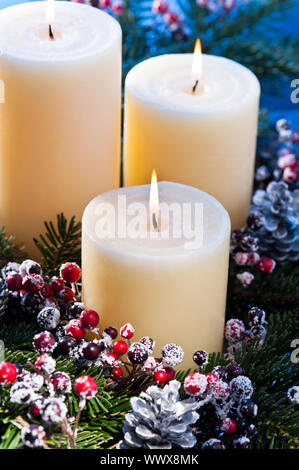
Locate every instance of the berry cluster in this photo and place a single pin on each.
(28, 291)
(44, 393)
(219, 6)
(224, 405)
(286, 163)
(236, 332)
(115, 7)
(169, 19)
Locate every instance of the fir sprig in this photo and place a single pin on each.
(60, 244)
(9, 249)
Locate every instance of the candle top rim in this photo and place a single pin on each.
(121, 248)
(101, 31)
(161, 83)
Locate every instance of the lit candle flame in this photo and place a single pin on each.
(154, 205)
(196, 65)
(50, 16)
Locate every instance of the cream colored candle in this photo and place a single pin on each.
(60, 122)
(206, 139)
(166, 289)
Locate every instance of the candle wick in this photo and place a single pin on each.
(51, 35)
(155, 222)
(195, 86)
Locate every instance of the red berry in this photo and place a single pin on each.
(14, 282)
(228, 426)
(127, 331)
(195, 384)
(266, 265)
(110, 359)
(211, 378)
(33, 283)
(66, 294)
(105, 3)
(117, 8)
(170, 373)
(47, 291)
(70, 272)
(57, 284)
(92, 351)
(287, 160)
(172, 17)
(44, 342)
(220, 389)
(116, 373)
(8, 373)
(36, 408)
(74, 328)
(61, 382)
(85, 387)
(160, 376)
(159, 6)
(89, 318)
(290, 174)
(120, 347)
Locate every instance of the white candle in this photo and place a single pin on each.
(60, 122)
(206, 139)
(167, 290)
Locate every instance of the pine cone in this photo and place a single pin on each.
(279, 237)
(159, 420)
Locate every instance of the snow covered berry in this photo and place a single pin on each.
(32, 283)
(33, 435)
(172, 354)
(48, 318)
(45, 363)
(149, 364)
(54, 411)
(127, 331)
(228, 426)
(160, 376)
(234, 330)
(36, 408)
(14, 282)
(33, 380)
(44, 342)
(293, 394)
(70, 272)
(75, 329)
(109, 359)
(266, 265)
(195, 384)
(22, 394)
(211, 378)
(57, 284)
(233, 370)
(61, 382)
(138, 353)
(256, 316)
(200, 357)
(66, 294)
(220, 390)
(148, 342)
(246, 278)
(85, 387)
(247, 409)
(241, 387)
(160, 6)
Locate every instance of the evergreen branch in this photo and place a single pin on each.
(9, 249)
(60, 244)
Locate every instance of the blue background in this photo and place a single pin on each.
(279, 106)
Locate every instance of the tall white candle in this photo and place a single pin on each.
(205, 138)
(60, 122)
(165, 290)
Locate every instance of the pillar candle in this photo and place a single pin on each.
(60, 120)
(205, 138)
(166, 291)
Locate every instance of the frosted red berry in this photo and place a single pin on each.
(61, 382)
(266, 265)
(89, 318)
(110, 359)
(70, 272)
(44, 342)
(170, 373)
(160, 7)
(47, 291)
(127, 331)
(57, 284)
(105, 3)
(85, 387)
(8, 373)
(14, 282)
(75, 328)
(66, 294)
(160, 376)
(228, 426)
(33, 283)
(117, 8)
(211, 378)
(195, 384)
(120, 347)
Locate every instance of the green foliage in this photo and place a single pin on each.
(9, 249)
(60, 244)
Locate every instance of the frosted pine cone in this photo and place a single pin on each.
(279, 237)
(159, 420)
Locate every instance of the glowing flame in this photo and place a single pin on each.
(197, 62)
(50, 11)
(154, 205)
